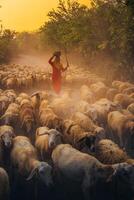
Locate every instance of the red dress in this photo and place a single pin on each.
(56, 78)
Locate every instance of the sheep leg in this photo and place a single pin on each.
(42, 155)
(86, 189)
(35, 190)
(15, 183)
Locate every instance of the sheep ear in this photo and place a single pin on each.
(46, 133)
(22, 124)
(82, 139)
(3, 116)
(35, 94)
(32, 174)
(3, 105)
(1, 136)
(68, 128)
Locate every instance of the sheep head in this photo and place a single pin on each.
(124, 174)
(42, 172)
(87, 141)
(28, 125)
(7, 139)
(54, 138)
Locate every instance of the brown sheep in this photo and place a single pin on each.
(18, 100)
(90, 176)
(123, 99)
(4, 185)
(38, 97)
(106, 102)
(131, 95)
(63, 106)
(25, 102)
(46, 140)
(111, 93)
(6, 135)
(82, 106)
(42, 95)
(6, 142)
(86, 108)
(131, 108)
(107, 152)
(35, 98)
(73, 132)
(124, 86)
(24, 156)
(127, 113)
(99, 89)
(109, 105)
(116, 84)
(83, 121)
(4, 102)
(78, 138)
(87, 124)
(98, 113)
(100, 109)
(24, 96)
(120, 85)
(10, 94)
(13, 107)
(86, 94)
(48, 118)
(73, 166)
(129, 90)
(11, 116)
(27, 119)
(43, 105)
(45, 95)
(122, 127)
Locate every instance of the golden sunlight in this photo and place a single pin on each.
(26, 15)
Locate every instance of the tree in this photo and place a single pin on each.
(64, 26)
(6, 38)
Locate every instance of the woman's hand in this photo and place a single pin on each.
(57, 53)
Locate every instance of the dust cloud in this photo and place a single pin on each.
(40, 61)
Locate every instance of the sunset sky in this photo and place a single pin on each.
(26, 15)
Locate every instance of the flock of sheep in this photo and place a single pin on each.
(21, 77)
(76, 145)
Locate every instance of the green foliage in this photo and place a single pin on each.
(13, 44)
(64, 26)
(6, 38)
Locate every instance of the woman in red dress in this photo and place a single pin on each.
(57, 68)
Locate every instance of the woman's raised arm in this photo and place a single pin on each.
(51, 60)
